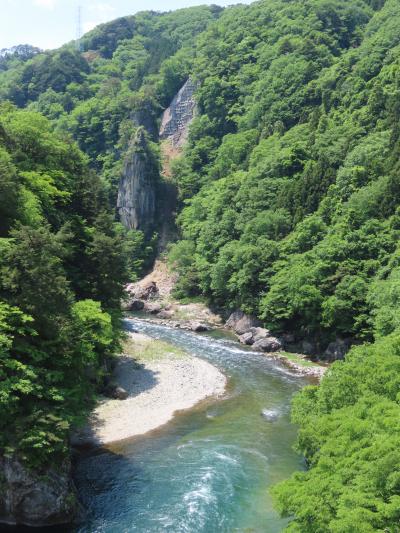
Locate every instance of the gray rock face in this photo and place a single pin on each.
(337, 350)
(198, 327)
(36, 499)
(309, 348)
(247, 338)
(120, 394)
(152, 307)
(241, 323)
(268, 344)
(177, 118)
(137, 188)
(136, 305)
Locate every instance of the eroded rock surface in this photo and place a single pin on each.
(242, 323)
(177, 118)
(35, 498)
(137, 189)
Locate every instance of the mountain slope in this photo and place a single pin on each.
(289, 195)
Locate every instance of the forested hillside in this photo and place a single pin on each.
(64, 257)
(291, 194)
(289, 191)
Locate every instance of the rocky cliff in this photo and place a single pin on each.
(177, 118)
(37, 499)
(137, 189)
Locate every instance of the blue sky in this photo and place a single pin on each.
(50, 23)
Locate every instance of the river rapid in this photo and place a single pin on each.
(210, 469)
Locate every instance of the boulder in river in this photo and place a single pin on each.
(242, 323)
(271, 415)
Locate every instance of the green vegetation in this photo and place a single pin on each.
(63, 263)
(350, 436)
(64, 259)
(147, 349)
(290, 179)
(291, 193)
(290, 210)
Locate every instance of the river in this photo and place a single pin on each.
(210, 469)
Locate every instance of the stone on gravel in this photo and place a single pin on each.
(120, 393)
(165, 314)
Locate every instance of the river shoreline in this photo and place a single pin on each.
(160, 380)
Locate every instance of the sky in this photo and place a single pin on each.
(51, 23)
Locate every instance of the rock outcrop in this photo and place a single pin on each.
(250, 333)
(177, 118)
(36, 499)
(337, 350)
(242, 323)
(137, 189)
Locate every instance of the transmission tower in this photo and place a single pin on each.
(79, 29)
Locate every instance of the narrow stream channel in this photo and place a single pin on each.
(209, 470)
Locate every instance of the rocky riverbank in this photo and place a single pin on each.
(153, 296)
(158, 380)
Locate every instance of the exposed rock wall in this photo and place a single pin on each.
(177, 118)
(36, 498)
(137, 189)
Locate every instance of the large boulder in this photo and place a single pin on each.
(147, 292)
(152, 307)
(136, 305)
(254, 335)
(36, 498)
(119, 393)
(337, 350)
(268, 344)
(242, 323)
(165, 314)
(260, 333)
(247, 338)
(198, 327)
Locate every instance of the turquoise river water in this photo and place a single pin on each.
(210, 469)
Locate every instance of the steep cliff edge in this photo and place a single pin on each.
(137, 189)
(179, 115)
(140, 193)
(174, 131)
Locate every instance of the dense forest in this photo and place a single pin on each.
(289, 199)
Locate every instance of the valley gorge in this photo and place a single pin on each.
(199, 272)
